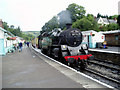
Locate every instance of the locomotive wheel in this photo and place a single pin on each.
(65, 62)
(70, 64)
(83, 64)
(44, 51)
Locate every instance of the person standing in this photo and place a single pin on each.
(20, 46)
(28, 44)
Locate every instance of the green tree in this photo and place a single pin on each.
(18, 31)
(27, 37)
(11, 29)
(94, 24)
(82, 24)
(113, 17)
(112, 26)
(77, 12)
(99, 15)
(5, 25)
(102, 28)
(103, 16)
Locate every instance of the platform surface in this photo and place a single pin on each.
(115, 50)
(28, 70)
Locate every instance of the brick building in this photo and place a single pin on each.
(112, 37)
(1, 23)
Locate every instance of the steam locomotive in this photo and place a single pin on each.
(65, 46)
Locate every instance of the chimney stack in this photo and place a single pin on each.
(69, 25)
(1, 23)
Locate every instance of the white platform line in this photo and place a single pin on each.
(104, 51)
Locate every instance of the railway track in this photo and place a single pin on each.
(101, 75)
(95, 74)
(108, 62)
(106, 65)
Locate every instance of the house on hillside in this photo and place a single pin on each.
(105, 21)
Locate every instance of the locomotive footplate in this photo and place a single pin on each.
(79, 56)
(80, 60)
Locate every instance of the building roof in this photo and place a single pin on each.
(9, 33)
(112, 21)
(105, 20)
(110, 32)
(89, 32)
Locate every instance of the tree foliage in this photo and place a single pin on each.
(5, 25)
(112, 26)
(17, 31)
(28, 37)
(82, 24)
(103, 16)
(12, 29)
(113, 17)
(86, 23)
(77, 11)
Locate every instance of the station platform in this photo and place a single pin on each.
(114, 50)
(111, 54)
(31, 69)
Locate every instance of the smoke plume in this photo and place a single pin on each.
(64, 17)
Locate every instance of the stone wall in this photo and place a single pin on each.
(106, 56)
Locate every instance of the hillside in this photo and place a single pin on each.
(34, 33)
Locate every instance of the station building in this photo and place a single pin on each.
(7, 40)
(93, 38)
(112, 37)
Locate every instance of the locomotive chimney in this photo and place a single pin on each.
(69, 25)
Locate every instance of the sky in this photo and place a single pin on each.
(31, 15)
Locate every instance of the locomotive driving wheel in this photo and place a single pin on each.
(81, 64)
(70, 64)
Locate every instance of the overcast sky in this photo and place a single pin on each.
(31, 15)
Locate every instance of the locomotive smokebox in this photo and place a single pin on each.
(69, 25)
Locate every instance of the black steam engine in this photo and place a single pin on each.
(65, 46)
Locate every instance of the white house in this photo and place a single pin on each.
(102, 21)
(105, 21)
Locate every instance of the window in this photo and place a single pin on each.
(116, 37)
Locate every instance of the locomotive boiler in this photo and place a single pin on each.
(65, 46)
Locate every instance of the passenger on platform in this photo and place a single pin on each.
(15, 46)
(20, 46)
(28, 44)
(25, 43)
